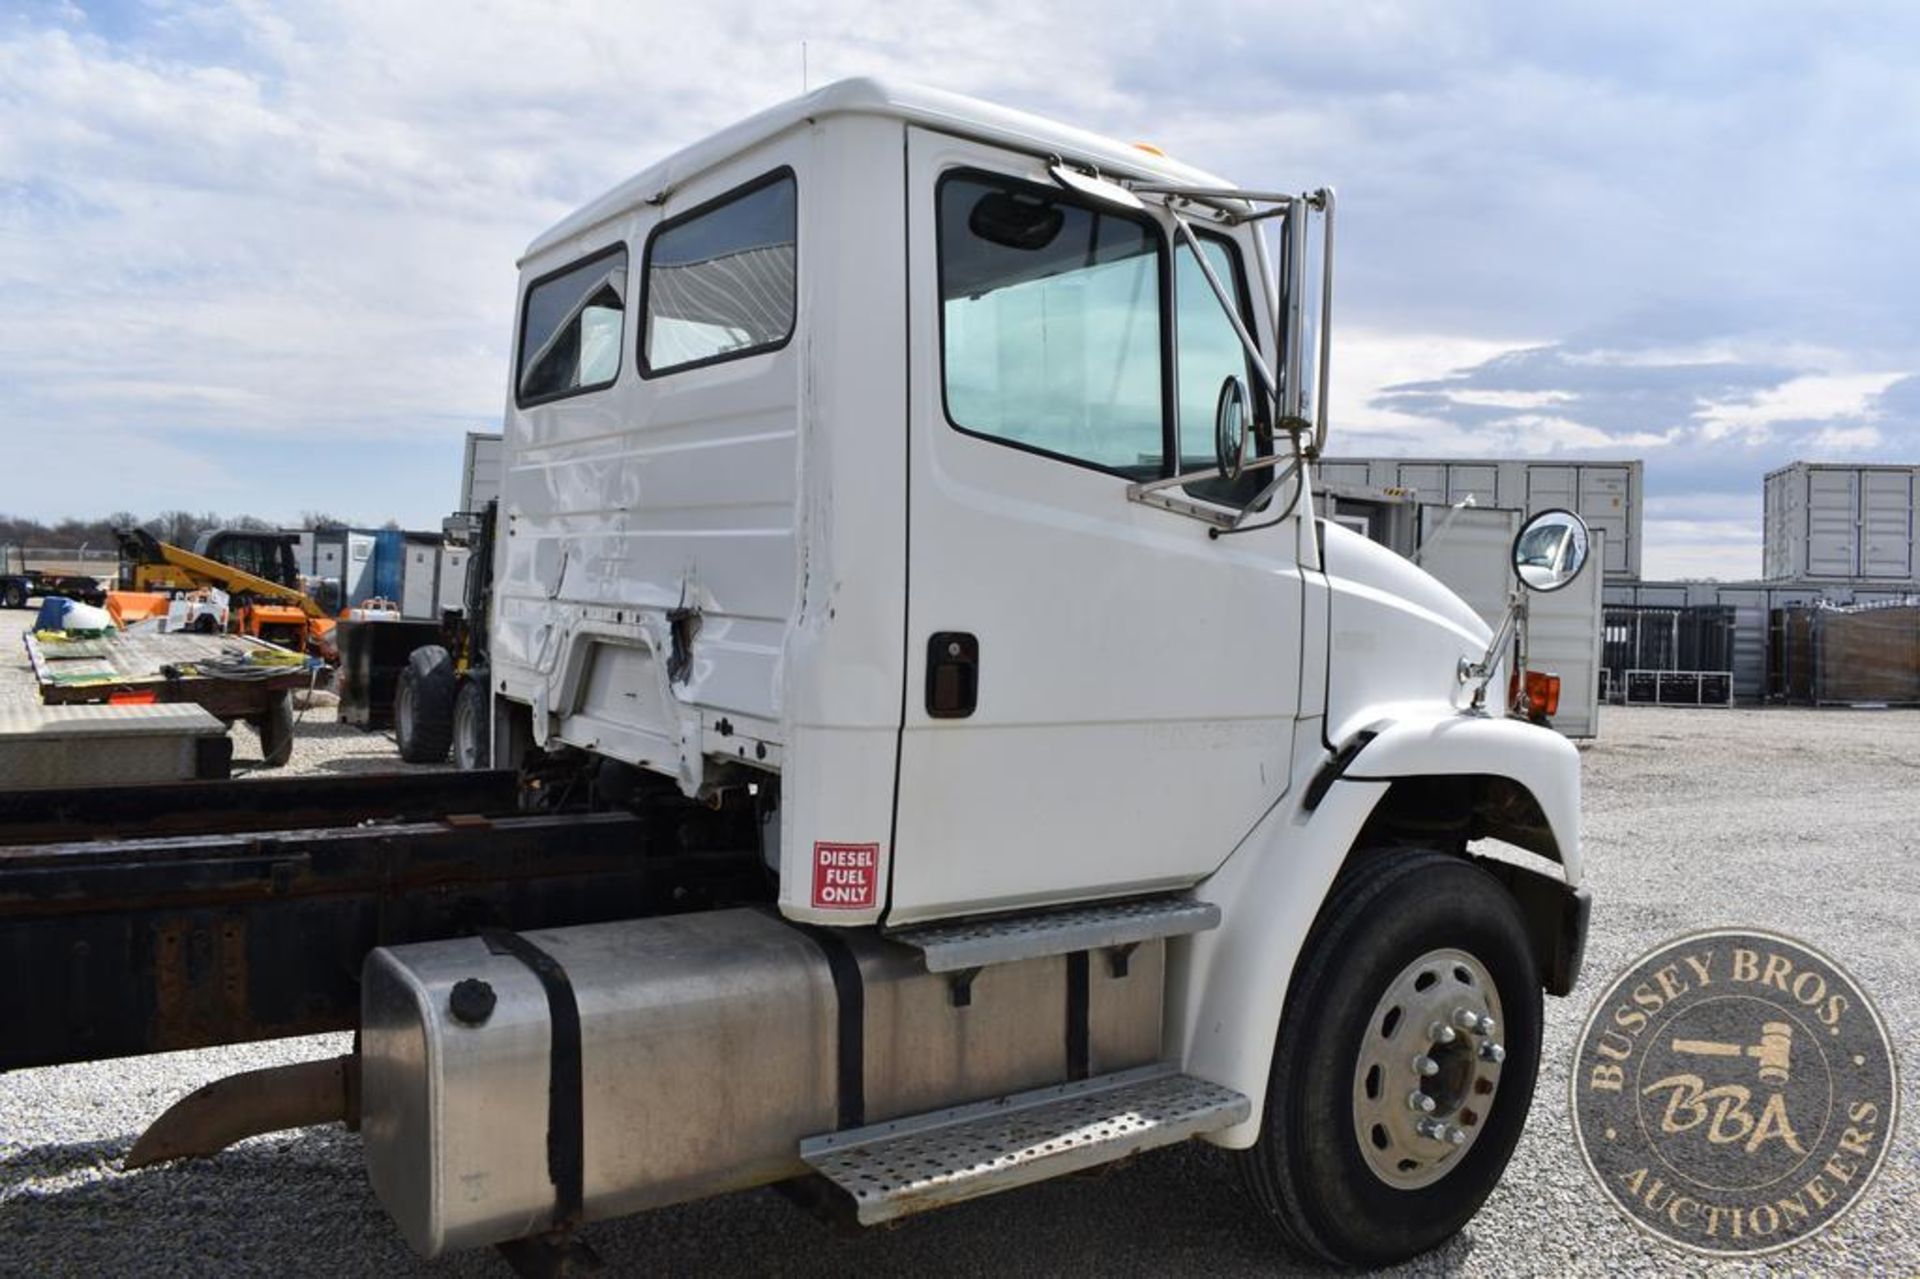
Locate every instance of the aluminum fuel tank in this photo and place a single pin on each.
(710, 1046)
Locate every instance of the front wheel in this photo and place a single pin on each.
(1405, 1062)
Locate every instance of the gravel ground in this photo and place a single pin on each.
(1799, 822)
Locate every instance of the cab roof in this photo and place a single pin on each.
(910, 103)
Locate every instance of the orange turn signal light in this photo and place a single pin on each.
(1540, 699)
(1543, 694)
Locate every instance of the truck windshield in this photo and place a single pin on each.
(1542, 547)
(1050, 328)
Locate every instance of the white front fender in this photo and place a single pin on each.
(1429, 744)
(1228, 987)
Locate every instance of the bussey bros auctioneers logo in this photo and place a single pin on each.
(1734, 1092)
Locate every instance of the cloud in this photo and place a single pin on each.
(258, 234)
(1727, 550)
(1812, 397)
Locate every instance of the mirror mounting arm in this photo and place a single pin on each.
(1479, 674)
(1227, 306)
(1324, 199)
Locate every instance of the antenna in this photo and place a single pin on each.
(803, 66)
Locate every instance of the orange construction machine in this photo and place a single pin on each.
(237, 580)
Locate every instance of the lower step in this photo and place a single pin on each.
(925, 1161)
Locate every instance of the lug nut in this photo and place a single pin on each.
(1417, 1100)
(1487, 1026)
(1431, 1129)
(1493, 1053)
(1440, 1033)
(1425, 1066)
(1456, 1136)
(1466, 1019)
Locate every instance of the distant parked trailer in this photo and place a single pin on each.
(1607, 494)
(1832, 521)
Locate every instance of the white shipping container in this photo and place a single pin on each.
(1470, 549)
(330, 556)
(453, 577)
(356, 567)
(1840, 521)
(420, 580)
(480, 471)
(1607, 494)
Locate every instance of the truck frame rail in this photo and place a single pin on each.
(243, 910)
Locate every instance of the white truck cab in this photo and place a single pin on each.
(904, 497)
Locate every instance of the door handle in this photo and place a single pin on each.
(953, 674)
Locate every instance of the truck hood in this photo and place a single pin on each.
(1395, 635)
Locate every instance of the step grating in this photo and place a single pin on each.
(907, 1165)
(966, 944)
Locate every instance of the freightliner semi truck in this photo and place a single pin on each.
(906, 589)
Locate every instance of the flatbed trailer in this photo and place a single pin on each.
(233, 677)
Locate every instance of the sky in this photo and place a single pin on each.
(260, 257)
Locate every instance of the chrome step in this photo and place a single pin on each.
(956, 947)
(925, 1161)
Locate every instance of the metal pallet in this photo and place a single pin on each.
(907, 1165)
(957, 947)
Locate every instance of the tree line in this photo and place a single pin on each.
(177, 527)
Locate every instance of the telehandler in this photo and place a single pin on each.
(968, 758)
(254, 570)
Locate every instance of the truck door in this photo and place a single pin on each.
(1100, 698)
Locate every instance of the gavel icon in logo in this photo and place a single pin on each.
(1773, 1052)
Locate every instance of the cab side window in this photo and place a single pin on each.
(570, 329)
(1209, 349)
(721, 280)
(1051, 323)
(1208, 353)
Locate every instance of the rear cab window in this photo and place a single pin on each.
(572, 327)
(720, 281)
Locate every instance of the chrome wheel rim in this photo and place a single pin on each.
(1428, 1070)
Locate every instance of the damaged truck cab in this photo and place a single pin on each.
(904, 512)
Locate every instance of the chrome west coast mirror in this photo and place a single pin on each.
(1550, 550)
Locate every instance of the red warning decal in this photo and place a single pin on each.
(845, 875)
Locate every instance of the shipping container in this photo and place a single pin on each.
(1840, 521)
(480, 472)
(1469, 549)
(453, 577)
(1607, 494)
(420, 577)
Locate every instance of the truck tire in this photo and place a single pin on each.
(13, 595)
(1349, 1163)
(472, 726)
(276, 731)
(423, 706)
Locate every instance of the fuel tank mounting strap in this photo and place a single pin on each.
(566, 1115)
(850, 997)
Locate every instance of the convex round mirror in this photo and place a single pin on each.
(1230, 427)
(1551, 550)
